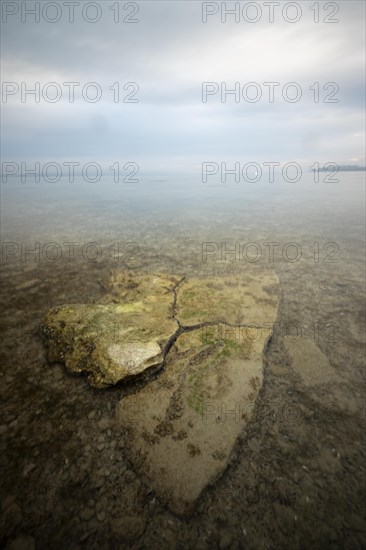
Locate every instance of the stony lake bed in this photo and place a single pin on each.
(107, 467)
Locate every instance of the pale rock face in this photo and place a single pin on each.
(203, 336)
(135, 356)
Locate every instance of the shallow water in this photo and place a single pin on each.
(299, 471)
(65, 208)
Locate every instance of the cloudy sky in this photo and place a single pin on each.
(169, 53)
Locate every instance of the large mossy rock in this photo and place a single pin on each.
(115, 341)
(208, 334)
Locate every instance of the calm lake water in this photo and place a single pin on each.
(185, 204)
(300, 471)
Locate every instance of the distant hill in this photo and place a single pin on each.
(341, 168)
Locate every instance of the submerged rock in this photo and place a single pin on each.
(183, 425)
(209, 334)
(322, 381)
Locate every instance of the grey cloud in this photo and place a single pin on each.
(169, 54)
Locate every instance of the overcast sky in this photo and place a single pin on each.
(169, 53)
